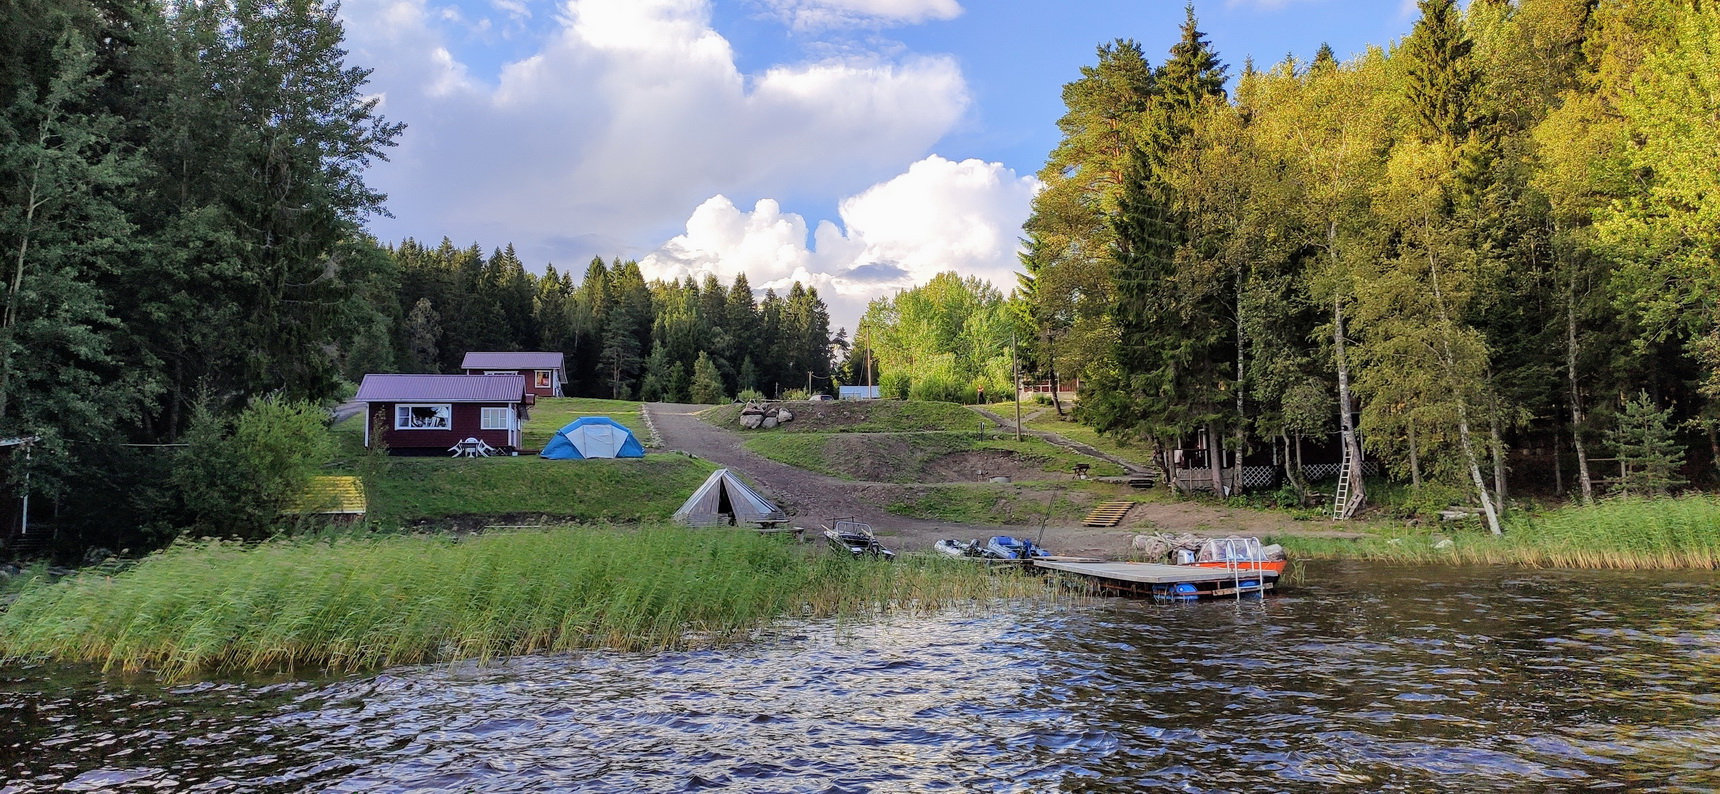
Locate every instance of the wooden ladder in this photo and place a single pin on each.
(1341, 499)
(1107, 514)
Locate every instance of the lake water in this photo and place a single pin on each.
(1365, 678)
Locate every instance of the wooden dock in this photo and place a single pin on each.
(1162, 581)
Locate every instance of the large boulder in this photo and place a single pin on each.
(752, 421)
(784, 415)
(769, 422)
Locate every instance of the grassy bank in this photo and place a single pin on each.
(995, 505)
(361, 603)
(1624, 533)
(861, 416)
(919, 457)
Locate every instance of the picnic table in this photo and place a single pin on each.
(472, 448)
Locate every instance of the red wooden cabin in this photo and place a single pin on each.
(428, 413)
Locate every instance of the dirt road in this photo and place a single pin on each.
(815, 499)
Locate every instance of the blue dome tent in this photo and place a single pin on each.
(592, 437)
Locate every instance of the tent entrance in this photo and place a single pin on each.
(725, 499)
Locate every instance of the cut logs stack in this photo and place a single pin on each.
(756, 415)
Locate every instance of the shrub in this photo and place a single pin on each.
(750, 396)
(236, 476)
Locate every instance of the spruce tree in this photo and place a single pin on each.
(1649, 453)
(1441, 77)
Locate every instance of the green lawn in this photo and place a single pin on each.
(621, 490)
(418, 489)
(553, 413)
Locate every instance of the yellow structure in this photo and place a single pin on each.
(333, 495)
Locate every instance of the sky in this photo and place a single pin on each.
(858, 146)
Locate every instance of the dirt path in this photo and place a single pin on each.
(816, 498)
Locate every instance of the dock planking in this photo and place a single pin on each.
(1142, 572)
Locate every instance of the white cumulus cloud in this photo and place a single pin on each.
(939, 215)
(625, 113)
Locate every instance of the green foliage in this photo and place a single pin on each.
(943, 340)
(238, 477)
(1647, 448)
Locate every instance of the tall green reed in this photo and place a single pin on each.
(1618, 533)
(352, 602)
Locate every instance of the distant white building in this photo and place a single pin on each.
(859, 392)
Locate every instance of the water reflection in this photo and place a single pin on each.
(1368, 679)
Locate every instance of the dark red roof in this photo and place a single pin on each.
(441, 388)
(513, 361)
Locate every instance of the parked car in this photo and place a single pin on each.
(820, 397)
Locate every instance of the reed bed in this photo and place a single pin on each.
(1626, 534)
(353, 603)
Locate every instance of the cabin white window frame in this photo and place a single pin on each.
(496, 417)
(444, 411)
(501, 372)
(543, 378)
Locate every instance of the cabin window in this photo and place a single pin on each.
(541, 379)
(497, 419)
(501, 372)
(423, 417)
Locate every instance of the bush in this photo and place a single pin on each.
(794, 394)
(750, 396)
(237, 476)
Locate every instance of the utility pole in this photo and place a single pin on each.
(809, 384)
(1015, 377)
(868, 371)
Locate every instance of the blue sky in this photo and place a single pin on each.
(858, 145)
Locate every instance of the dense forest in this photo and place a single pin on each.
(182, 209)
(1488, 252)
(624, 337)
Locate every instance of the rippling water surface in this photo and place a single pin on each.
(1367, 678)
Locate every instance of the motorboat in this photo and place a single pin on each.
(959, 548)
(1236, 553)
(1003, 547)
(856, 539)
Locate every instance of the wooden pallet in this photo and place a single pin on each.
(1107, 514)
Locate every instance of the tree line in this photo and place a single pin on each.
(1497, 236)
(624, 337)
